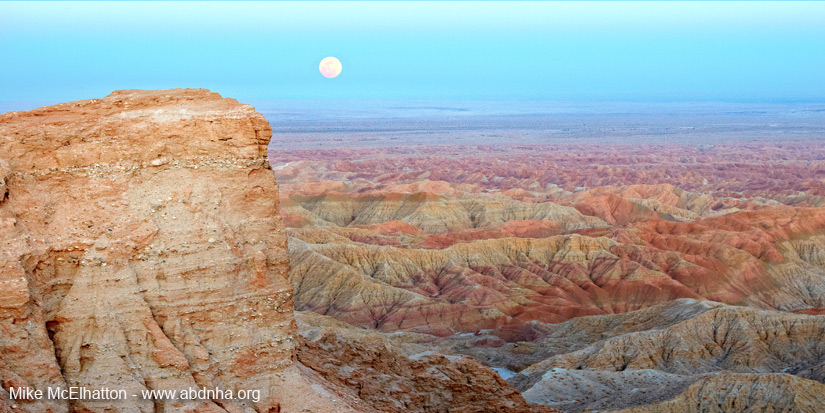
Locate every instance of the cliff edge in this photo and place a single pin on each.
(142, 249)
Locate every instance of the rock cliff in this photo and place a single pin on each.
(142, 249)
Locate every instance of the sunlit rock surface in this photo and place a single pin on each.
(143, 249)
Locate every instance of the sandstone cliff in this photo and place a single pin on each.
(142, 249)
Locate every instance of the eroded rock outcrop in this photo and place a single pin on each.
(142, 249)
(402, 372)
(685, 355)
(744, 392)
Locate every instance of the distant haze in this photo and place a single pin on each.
(329, 124)
(566, 51)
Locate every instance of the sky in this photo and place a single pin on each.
(557, 51)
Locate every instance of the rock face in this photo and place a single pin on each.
(142, 249)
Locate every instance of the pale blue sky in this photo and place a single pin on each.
(571, 51)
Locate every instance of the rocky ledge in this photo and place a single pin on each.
(143, 249)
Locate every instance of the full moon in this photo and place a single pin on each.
(330, 67)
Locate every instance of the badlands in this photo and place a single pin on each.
(597, 262)
(157, 240)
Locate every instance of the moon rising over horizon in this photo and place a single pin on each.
(330, 67)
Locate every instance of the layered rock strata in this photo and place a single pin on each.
(142, 249)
